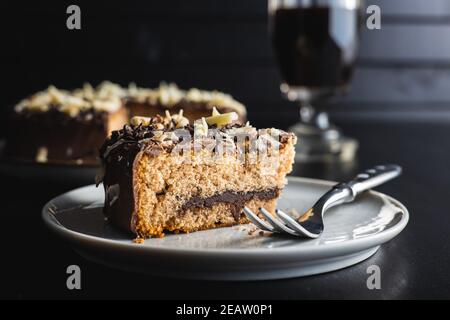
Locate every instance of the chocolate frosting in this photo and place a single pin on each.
(184, 104)
(56, 131)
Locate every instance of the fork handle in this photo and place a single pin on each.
(371, 178)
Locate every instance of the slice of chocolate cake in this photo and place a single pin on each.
(164, 174)
(58, 126)
(194, 102)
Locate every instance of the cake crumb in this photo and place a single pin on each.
(42, 155)
(294, 213)
(306, 215)
(139, 240)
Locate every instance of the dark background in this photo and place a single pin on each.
(403, 69)
(398, 108)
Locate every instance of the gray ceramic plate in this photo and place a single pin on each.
(353, 233)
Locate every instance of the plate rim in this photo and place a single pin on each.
(76, 237)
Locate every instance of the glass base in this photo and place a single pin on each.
(323, 144)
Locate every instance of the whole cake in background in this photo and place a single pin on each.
(167, 174)
(60, 126)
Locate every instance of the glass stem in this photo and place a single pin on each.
(312, 117)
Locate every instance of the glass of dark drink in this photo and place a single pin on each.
(315, 43)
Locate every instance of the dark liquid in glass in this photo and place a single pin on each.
(315, 47)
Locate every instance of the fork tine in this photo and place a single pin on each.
(294, 224)
(257, 221)
(278, 225)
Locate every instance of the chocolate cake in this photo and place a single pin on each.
(194, 102)
(166, 174)
(59, 126)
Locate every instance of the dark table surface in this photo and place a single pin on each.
(416, 264)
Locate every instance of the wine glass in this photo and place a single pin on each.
(315, 44)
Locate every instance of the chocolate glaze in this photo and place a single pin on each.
(57, 131)
(55, 115)
(237, 200)
(120, 212)
(118, 165)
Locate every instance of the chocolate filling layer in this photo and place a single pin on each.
(236, 199)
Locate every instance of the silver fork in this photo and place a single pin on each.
(310, 224)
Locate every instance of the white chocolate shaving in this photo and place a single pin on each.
(135, 121)
(169, 94)
(222, 119)
(71, 103)
(200, 128)
(180, 121)
(215, 112)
